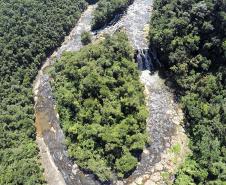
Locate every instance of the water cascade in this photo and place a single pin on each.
(145, 60)
(163, 123)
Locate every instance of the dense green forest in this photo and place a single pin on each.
(190, 38)
(99, 97)
(107, 10)
(101, 106)
(29, 31)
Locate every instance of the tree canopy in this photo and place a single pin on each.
(107, 10)
(86, 38)
(29, 31)
(102, 108)
(190, 36)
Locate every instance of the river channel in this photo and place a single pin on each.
(163, 124)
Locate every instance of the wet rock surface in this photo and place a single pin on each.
(134, 20)
(59, 169)
(165, 134)
(163, 123)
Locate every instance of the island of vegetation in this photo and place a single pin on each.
(29, 31)
(102, 107)
(190, 38)
(99, 97)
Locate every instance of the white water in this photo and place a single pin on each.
(160, 124)
(135, 21)
(59, 169)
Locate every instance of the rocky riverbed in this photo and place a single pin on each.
(168, 143)
(135, 21)
(58, 168)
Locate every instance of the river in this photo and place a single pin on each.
(163, 123)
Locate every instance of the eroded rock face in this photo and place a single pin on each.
(163, 123)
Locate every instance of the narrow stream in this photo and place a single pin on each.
(162, 124)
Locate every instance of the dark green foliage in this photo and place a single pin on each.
(101, 106)
(91, 1)
(107, 10)
(190, 37)
(86, 38)
(29, 31)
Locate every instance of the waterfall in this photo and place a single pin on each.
(59, 169)
(146, 60)
(139, 60)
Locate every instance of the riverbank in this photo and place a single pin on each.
(163, 125)
(58, 168)
(168, 145)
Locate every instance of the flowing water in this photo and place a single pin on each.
(161, 125)
(135, 21)
(59, 169)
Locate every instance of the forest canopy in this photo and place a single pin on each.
(190, 38)
(107, 10)
(29, 31)
(102, 108)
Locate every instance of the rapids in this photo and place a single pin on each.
(163, 123)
